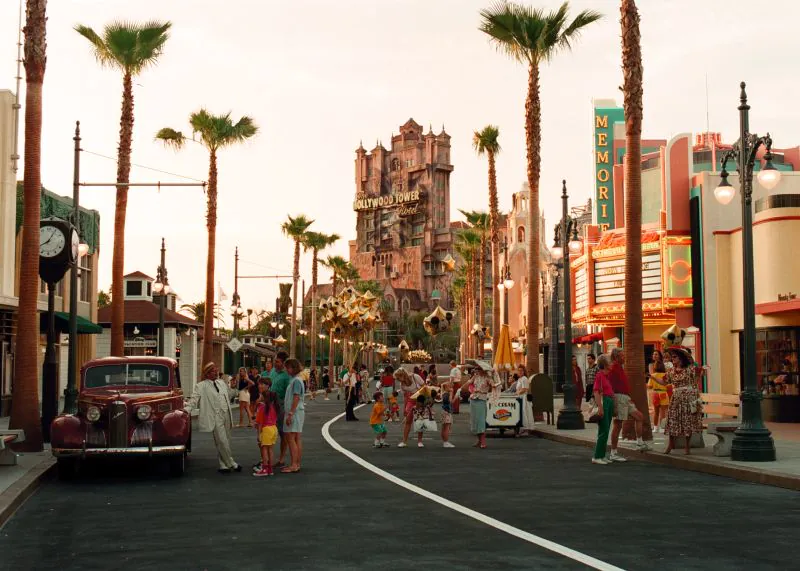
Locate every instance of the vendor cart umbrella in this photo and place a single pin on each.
(504, 360)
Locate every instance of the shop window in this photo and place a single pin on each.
(417, 229)
(406, 305)
(416, 242)
(59, 287)
(85, 279)
(777, 354)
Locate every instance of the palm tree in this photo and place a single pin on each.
(338, 267)
(480, 223)
(316, 241)
(216, 132)
(198, 311)
(533, 37)
(632, 91)
(25, 396)
(295, 228)
(467, 245)
(130, 48)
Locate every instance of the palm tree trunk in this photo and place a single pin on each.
(634, 318)
(331, 377)
(482, 296)
(25, 398)
(473, 300)
(494, 217)
(295, 278)
(313, 336)
(118, 256)
(533, 140)
(211, 224)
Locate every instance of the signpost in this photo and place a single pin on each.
(234, 345)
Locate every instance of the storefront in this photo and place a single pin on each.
(777, 373)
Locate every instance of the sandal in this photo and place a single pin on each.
(289, 470)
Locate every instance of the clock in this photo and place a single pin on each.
(51, 241)
(58, 248)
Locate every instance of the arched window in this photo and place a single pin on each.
(406, 304)
(391, 301)
(521, 234)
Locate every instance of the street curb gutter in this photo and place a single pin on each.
(744, 473)
(16, 494)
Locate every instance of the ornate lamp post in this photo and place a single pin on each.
(161, 287)
(570, 416)
(752, 441)
(303, 333)
(506, 283)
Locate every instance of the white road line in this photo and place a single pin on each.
(485, 519)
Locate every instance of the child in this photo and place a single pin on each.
(447, 420)
(376, 420)
(422, 411)
(267, 428)
(394, 408)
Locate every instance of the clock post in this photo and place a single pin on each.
(50, 366)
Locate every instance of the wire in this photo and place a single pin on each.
(263, 266)
(143, 166)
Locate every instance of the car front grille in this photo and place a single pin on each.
(142, 434)
(118, 425)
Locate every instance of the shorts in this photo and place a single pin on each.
(244, 396)
(298, 418)
(378, 428)
(623, 406)
(447, 418)
(387, 393)
(268, 436)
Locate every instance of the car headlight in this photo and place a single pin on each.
(143, 412)
(92, 414)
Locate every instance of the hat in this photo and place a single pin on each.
(478, 364)
(207, 367)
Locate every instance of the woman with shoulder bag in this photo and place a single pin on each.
(604, 401)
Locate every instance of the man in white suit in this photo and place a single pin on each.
(210, 396)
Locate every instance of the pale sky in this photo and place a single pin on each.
(319, 76)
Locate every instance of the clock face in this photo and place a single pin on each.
(75, 243)
(51, 241)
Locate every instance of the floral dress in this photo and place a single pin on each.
(684, 416)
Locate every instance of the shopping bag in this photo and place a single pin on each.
(424, 425)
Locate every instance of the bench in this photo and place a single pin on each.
(722, 417)
(7, 456)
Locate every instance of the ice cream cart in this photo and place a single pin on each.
(504, 413)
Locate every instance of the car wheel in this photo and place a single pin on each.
(67, 468)
(502, 431)
(177, 465)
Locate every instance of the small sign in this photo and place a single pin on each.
(503, 413)
(234, 345)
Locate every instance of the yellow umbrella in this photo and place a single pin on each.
(504, 360)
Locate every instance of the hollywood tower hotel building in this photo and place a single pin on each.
(402, 204)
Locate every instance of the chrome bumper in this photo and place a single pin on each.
(131, 451)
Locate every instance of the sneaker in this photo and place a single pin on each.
(256, 467)
(643, 447)
(420, 445)
(617, 457)
(326, 398)
(385, 445)
(601, 461)
(402, 445)
(448, 445)
(376, 444)
(262, 472)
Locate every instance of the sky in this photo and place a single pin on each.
(319, 76)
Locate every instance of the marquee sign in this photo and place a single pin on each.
(581, 290)
(407, 200)
(604, 119)
(609, 279)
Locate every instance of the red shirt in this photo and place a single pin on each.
(387, 381)
(603, 384)
(619, 379)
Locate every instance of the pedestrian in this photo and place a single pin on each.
(454, 385)
(684, 416)
(243, 384)
(267, 370)
(387, 383)
(577, 379)
(523, 390)
(326, 384)
(623, 405)
(409, 384)
(376, 420)
(351, 384)
(447, 420)
(266, 428)
(394, 408)
(294, 407)
(591, 371)
(210, 398)
(280, 380)
(420, 413)
(481, 385)
(604, 399)
(254, 394)
(363, 377)
(432, 378)
(660, 393)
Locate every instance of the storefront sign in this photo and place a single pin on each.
(604, 119)
(787, 296)
(387, 200)
(140, 342)
(504, 412)
(609, 279)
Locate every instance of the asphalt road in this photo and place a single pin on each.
(336, 514)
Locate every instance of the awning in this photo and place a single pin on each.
(778, 306)
(591, 338)
(62, 324)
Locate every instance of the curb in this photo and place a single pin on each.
(743, 473)
(16, 494)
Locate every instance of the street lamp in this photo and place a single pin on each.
(236, 312)
(752, 441)
(302, 333)
(161, 287)
(570, 416)
(506, 283)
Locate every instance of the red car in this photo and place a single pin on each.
(128, 406)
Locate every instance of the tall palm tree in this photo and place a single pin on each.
(485, 142)
(295, 228)
(130, 48)
(25, 396)
(216, 132)
(467, 245)
(198, 311)
(533, 37)
(316, 241)
(338, 267)
(479, 221)
(632, 91)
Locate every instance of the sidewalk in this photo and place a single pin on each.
(784, 472)
(18, 482)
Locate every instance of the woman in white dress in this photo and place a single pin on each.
(523, 389)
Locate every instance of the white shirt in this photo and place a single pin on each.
(455, 374)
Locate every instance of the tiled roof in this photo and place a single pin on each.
(138, 275)
(143, 311)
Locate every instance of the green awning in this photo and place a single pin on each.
(62, 324)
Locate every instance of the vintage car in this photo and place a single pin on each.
(128, 406)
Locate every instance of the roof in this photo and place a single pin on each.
(413, 298)
(324, 291)
(138, 275)
(143, 311)
(459, 224)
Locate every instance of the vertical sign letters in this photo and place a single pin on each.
(604, 120)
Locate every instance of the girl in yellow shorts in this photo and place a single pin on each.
(267, 428)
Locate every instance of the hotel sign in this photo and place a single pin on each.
(407, 200)
(609, 279)
(604, 120)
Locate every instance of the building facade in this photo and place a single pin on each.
(402, 204)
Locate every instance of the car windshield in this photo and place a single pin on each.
(124, 375)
